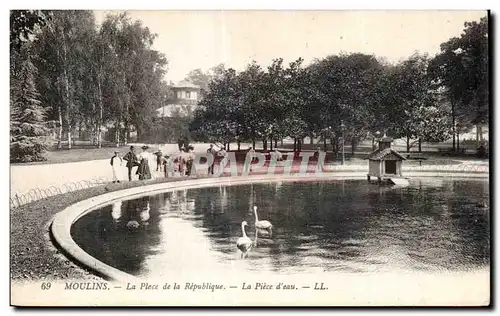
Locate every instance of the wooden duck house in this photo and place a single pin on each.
(385, 163)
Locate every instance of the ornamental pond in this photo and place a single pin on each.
(349, 226)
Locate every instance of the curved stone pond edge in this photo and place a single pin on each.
(61, 225)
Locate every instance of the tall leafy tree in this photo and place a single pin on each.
(28, 129)
(461, 68)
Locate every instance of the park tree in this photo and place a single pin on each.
(199, 78)
(63, 52)
(28, 130)
(461, 68)
(95, 77)
(28, 139)
(220, 109)
(203, 78)
(417, 114)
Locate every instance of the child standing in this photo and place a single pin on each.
(116, 162)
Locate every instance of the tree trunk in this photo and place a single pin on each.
(239, 145)
(253, 142)
(60, 130)
(294, 144)
(453, 123)
(420, 145)
(127, 132)
(264, 144)
(300, 144)
(276, 143)
(117, 134)
(282, 142)
(66, 92)
(353, 146)
(271, 144)
(324, 144)
(99, 138)
(458, 140)
(69, 136)
(229, 146)
(477, 136)
(311, 139)
(99, 124)
(408, 144)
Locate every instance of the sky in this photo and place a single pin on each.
(203, 39)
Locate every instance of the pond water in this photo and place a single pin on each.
(324, 226)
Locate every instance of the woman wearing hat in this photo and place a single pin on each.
(144, 171)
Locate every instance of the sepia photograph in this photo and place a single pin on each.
(264, 158)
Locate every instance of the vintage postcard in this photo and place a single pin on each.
(249, 158)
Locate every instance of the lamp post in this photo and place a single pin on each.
(342, 127)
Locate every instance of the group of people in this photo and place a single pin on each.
(181, 163)
(141, 161)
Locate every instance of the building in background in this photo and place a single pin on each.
(184, 100)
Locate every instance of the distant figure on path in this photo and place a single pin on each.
(179, 163)
(223, 153)
(167, 165)
(131, 160)
(278, 155)
(189, 160)
(211, 150)
(250, 157)
(320, 161)
(180, 143)
(115, 163)
(158, 154)
(143, 170)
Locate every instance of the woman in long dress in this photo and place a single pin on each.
(144, 170)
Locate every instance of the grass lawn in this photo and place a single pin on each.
(78, 153)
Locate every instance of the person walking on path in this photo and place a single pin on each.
(143, 170)
(211, 150)
(158, 154)
(223, 153)
(115, 163)
(189, 161)
(167, 165)
(131, 160)
(250, 157)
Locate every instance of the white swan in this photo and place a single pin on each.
(244, 243)
(261, 224)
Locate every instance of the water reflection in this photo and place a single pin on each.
(323, 226)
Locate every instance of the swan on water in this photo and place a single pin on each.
(261, 224)
(244, 243)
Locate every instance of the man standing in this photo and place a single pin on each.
(158, 154)
(211, 151)
(180, 143)
(131, 160)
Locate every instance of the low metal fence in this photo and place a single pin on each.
(38, 193)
